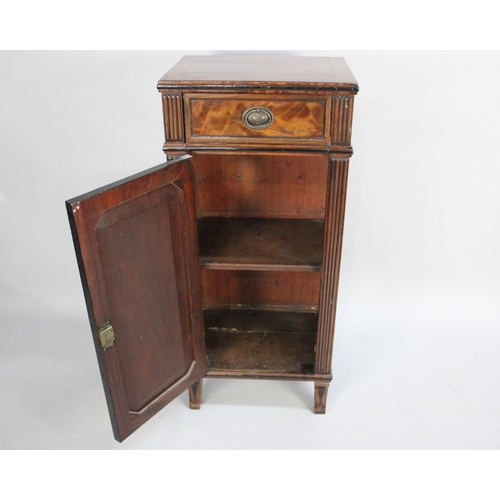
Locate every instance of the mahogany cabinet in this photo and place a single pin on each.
(223, 261)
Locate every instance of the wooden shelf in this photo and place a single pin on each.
(261, 244)
(253, 341)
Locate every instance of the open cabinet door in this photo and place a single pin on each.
(137, 249)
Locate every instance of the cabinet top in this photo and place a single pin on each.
(260, 71)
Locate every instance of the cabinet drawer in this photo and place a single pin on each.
(285, 120)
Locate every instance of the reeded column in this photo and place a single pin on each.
(334, 225)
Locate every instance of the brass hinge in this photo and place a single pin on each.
(106, 335)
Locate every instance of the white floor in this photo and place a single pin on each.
(395, 387)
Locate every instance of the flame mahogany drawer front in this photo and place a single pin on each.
(272, 119)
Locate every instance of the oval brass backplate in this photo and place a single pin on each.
(258, 117)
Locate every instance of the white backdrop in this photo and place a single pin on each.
(417, 340)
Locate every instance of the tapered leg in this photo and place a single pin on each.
(195, 395)
(320, 394)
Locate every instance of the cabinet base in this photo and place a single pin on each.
(320, 393)
(195, 395)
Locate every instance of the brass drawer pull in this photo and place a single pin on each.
(258, 117)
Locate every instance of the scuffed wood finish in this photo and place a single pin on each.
(260, 341)
(174, 155)
(262, 321)
(137, 249)
(260, 352)
(305, 376)
(266, 289)
(218, 119)
(195, 394)
(334, 224)
(261, 184)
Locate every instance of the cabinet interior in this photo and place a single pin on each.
(241, 339)
(261, 237)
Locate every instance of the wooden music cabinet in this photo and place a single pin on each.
(223, 261)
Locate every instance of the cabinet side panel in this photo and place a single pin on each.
(334, 224)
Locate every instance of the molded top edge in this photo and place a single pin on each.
(257, 71)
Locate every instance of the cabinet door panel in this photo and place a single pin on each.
(137, 249)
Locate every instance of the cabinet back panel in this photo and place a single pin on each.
(245, 241)
(284, 185)
(289, 289)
